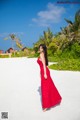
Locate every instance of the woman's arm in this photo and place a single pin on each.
(44, 64)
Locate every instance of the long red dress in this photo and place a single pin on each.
(49, 93)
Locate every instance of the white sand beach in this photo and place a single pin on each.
(20, 96)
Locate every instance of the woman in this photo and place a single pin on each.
(49, 93)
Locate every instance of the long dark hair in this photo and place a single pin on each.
(45, 52)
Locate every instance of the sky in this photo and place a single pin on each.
(29, 18)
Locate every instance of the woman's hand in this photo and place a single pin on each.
(45, 76)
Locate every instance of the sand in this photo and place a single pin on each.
(20, 96)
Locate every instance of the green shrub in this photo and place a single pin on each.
(4, 56)
(50, 53)
(19, 54)
(68, 64)
(76, 49)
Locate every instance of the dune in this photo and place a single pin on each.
(20, 91)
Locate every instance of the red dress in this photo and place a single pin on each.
(49, 93)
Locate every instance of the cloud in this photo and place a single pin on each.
(52, 14)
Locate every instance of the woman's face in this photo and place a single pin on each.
(40, 49)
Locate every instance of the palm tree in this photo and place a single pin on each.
(77, 16)
(15, 39)
(72, 30)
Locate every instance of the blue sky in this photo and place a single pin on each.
(29, 18)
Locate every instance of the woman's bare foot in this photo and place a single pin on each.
(44, 110)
